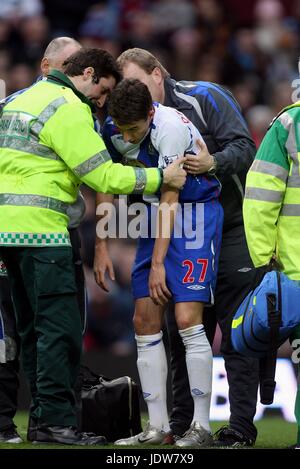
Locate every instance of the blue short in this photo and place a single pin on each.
(192, 259)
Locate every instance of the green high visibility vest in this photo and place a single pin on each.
(272, 197)
(48, 146)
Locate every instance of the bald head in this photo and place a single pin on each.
(57, 51)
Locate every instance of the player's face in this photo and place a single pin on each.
(152, 80)
(136, 131)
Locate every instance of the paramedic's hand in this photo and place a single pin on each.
(103, 264)
(200, 163)
(174, 174)
(159, 292)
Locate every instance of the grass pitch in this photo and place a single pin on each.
(273, 432)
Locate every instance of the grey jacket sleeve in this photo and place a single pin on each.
(234, 147)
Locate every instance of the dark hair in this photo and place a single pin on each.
(129, 102)
(102, 61)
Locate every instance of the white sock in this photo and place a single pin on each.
(199, 361)
(153, 370)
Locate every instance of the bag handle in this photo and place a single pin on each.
(267, 365)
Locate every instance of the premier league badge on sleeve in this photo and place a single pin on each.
(169, 160)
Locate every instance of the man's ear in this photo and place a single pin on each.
(45, 67)
(157, 75)
(151, 112)
(88, 73)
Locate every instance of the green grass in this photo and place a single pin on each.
(273, 432)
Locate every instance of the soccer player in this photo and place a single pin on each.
(229, 147)
(167, 265)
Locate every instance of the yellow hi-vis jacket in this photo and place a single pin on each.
(272, 198)
(48, 146)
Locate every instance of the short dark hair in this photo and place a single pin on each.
(102, 61)
(129, 102)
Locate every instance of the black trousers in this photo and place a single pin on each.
(235, 276)
(9, 381)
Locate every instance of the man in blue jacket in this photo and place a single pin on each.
(228, 152)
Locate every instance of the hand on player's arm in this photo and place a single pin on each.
(159, 292)
(174, 175)
(200, 163)
(102, 260)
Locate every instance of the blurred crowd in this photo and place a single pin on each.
(249, 46)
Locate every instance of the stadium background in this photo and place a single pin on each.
(251, 47)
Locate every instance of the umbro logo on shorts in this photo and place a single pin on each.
(196, 287)
(245, 269)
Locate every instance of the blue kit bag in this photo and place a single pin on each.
(267, 316)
